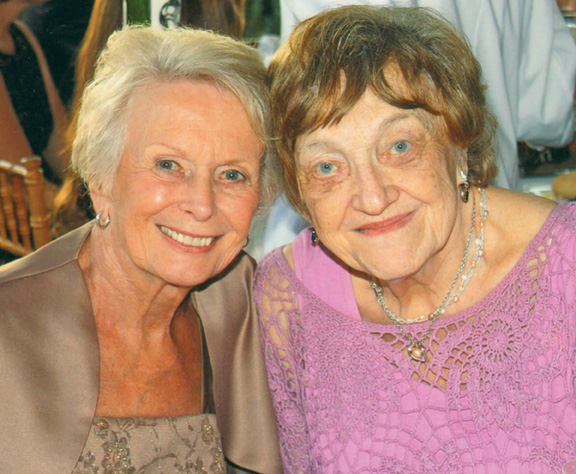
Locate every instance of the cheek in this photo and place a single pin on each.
(239, 209)
(322, 198)
(326, 213)
(315, 186)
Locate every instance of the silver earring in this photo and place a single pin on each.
(314, 237)
(102, 223)
(247, 242)
(464, 188)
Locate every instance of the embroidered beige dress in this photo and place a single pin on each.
(186, 444)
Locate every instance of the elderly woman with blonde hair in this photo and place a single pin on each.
(135, 347)
(425, 323)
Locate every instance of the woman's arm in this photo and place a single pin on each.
(278, 312)
(13, 142)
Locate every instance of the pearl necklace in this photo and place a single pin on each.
(416, 350)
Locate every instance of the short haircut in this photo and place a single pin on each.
(135, 56)
(333, 58)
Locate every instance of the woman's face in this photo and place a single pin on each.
(381, 187)
(187, 184)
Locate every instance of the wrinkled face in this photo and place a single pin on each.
(381, 187)
(187, 184)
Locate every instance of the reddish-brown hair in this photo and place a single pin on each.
(330, 60)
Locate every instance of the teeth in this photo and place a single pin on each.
(186, 239)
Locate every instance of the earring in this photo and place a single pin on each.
(102, 223)
(314, 237)
(464, 188)
(247, 242)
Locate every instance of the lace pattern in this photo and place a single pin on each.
(189, 444)
(498, 394)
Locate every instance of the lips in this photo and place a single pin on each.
(187, 239)
(387, 225)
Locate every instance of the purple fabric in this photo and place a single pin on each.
(498, 396)
(323, 276)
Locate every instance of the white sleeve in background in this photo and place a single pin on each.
(293, 12)
(528, 58)
(547, 77)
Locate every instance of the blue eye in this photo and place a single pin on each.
(234, 175)
(400, 147)
(167, 165)
(326, 168)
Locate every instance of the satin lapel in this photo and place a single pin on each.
(49, 360)
(243, 403)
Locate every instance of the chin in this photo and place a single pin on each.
(186, 281)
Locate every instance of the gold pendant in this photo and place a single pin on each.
(417, 352)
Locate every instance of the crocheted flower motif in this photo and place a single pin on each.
(498, 341)
(347, 387)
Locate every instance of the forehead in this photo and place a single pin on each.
(331, 101)
(191, 116)
(369, 119)
(192, 98)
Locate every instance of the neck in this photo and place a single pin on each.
(439, 283)
(127, 301)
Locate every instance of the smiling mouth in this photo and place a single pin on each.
(187, 239)
(388, 225)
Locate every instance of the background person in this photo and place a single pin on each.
(426, 322)
(137, 347)
(60, 26)
(32, 115)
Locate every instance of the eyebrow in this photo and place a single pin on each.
(404, 115)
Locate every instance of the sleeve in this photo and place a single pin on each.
(547, 77)
(276, 300)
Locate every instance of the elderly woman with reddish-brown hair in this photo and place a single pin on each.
(426, 321)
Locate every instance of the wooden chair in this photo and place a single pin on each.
(24, 221)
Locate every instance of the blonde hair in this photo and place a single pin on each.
(133, 57)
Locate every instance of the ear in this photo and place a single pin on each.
(100, 200)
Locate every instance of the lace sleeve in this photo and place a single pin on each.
(278, 310)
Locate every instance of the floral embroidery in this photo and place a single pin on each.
(188, 445)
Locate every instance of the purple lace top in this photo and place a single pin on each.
(497, 396)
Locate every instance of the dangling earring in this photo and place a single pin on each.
(314, 237)
(102, 223)
(464, 188)
(247, 242)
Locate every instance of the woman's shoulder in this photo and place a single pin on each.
(518, 221)
(517, 217)
(276, 262)
(52, 256)
(278, 270)
(300, 258)
(520, 206)
(524, 215)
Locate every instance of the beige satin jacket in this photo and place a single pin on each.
(49, 363)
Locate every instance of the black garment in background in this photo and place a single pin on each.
(24, 82)
(59, 26)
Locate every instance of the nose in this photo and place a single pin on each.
(198, 196)
(372, 195)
